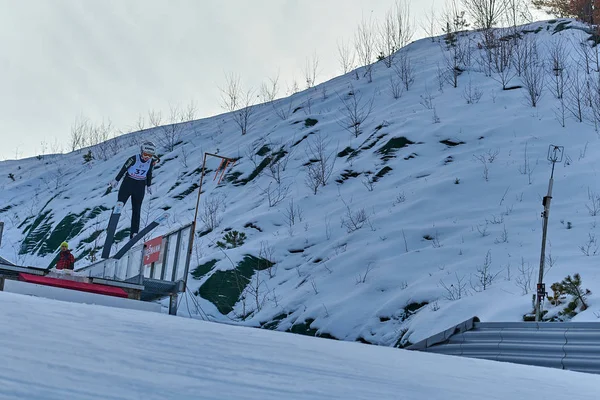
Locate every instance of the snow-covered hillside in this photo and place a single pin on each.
(433, 190)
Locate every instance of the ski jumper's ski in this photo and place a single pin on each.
(140, 235)
(112, 227)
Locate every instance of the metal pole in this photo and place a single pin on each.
(173, 304)
(1, 230)
(193, 232)
(554, 155)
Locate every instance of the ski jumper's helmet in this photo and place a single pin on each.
(148, 148)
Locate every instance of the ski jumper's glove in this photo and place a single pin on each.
(149, 190)
(114, 183)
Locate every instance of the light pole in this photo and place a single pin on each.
(555, 154)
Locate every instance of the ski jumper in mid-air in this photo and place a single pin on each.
(138, 180)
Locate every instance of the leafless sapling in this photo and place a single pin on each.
(355, 111)
(320, 163)
(346, 56)
(364, 44)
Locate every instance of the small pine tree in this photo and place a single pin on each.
(12, 176)
(87, 157)
(571, 286)
(232, 240)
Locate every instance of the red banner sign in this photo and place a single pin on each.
(152, 250)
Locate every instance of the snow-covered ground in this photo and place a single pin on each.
(361, 256)
(55, 350)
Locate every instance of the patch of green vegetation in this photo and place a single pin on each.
(252, 225)
(308, 122)
(92, 237)
(195, 172)
(97, 211)
(188, 191)
(233, 176)
(38, 231)
(273, 158)
(204, 233)
(374, 142)
(345, 152)
(165, 208)
(539, 29)
(203, 269)
(389, 149)
(451, 143)
(381, 173)
(274, 323)
(414, 307)
(348, 173)
(300, 141)
(69, 227)
(223, 288)
(562, 26)
(174, 186)
(303, 328)
(26, 220)
(121, 235)
(263, 151)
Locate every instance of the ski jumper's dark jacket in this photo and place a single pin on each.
(138, 175)
(65, 260)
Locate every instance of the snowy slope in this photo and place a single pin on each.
(431, 217)
(93, 352)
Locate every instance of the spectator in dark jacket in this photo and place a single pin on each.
(65, 258)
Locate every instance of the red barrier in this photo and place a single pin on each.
(73, 285)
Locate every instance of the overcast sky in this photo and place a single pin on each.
(117, 59)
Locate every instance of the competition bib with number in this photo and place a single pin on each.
(139, 169)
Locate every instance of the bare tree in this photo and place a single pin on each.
(533, 75)
(155, 118)
(169, 134)
(232, 92)
(485, 13)
(396, 86)
(405, 71)
(558, 56)
(456, 51)
(394, 32)
(355, 111)
(78, 133)
(364, 44)
(430, 24)
(275, 193)
(240, 103)
(279, 163)
(484, 276)
(283, 108)
(457, 290)
(311, 70)
(472, 94)
(498, 59)
(268, 92)
(211, 213)
(517, 13)
(346, 57)
(586, 54)
(576, 94)
(319, 163)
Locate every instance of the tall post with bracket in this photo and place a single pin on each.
(555, 154)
